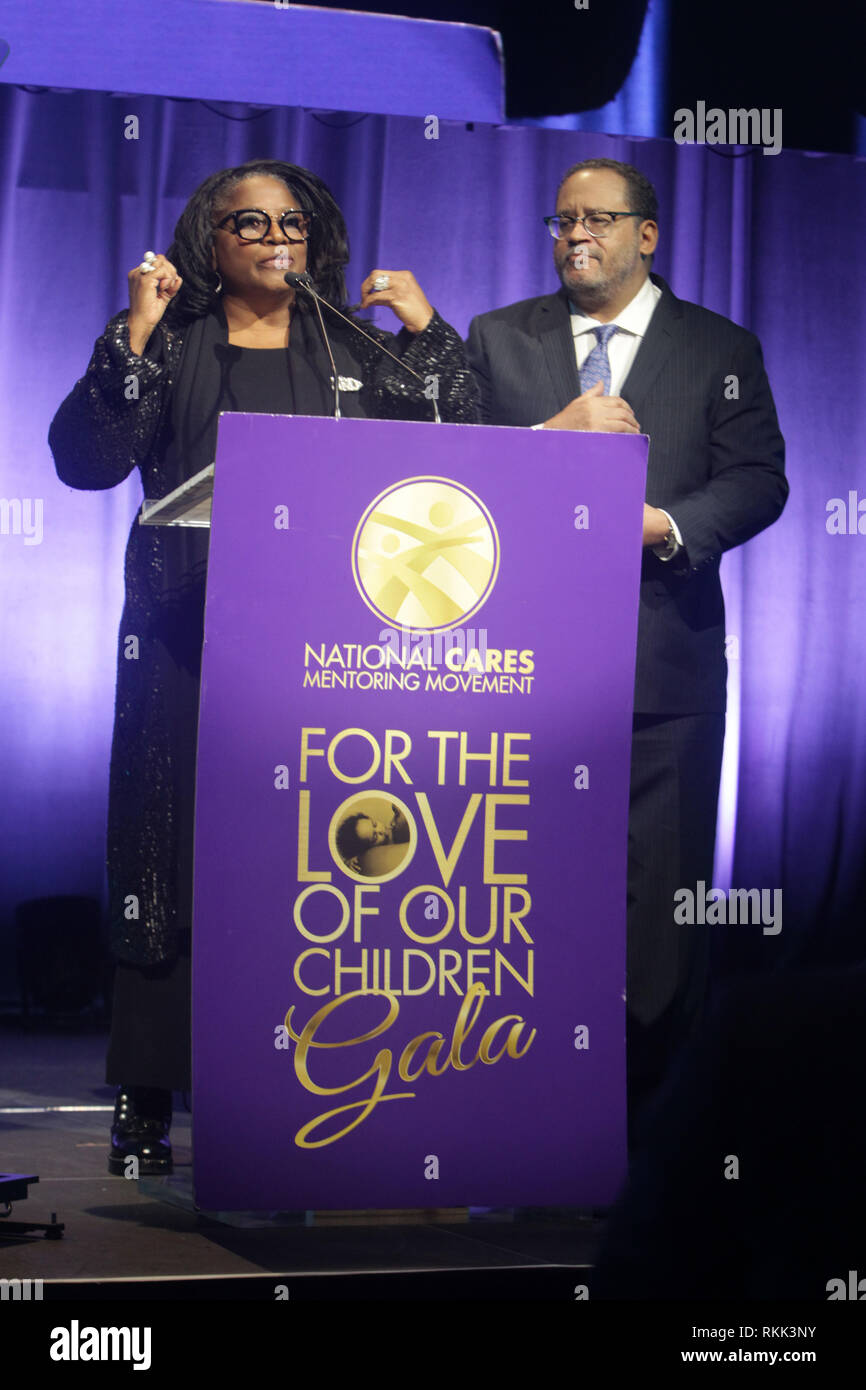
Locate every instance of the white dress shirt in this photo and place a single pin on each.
(632, 323)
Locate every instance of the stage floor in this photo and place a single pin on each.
(145, 1239)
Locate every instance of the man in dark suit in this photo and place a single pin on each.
(614, 350)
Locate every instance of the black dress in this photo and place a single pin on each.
(150, 1028)
(165, 424)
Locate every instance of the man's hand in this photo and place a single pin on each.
(655, 525)
(597, 413)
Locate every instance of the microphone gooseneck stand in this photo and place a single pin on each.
(303, 281)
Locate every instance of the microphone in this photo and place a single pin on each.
(301, 280)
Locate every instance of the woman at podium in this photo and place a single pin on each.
(212, 325)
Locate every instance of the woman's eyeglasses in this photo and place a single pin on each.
(254, 224)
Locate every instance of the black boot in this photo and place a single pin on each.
(142, 1118)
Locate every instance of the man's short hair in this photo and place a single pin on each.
(640, 194)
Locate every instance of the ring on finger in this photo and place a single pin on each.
(381, 282)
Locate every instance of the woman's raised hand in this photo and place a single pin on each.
(150, 291)
(401, 292)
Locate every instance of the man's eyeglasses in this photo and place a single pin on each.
(253, 224)
(598, 224)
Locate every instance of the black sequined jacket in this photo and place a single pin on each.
(97, 438)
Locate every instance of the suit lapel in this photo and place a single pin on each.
(655, 348)
(557, 341)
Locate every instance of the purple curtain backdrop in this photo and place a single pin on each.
(771, 241)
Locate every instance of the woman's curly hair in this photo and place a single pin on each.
(190, 251)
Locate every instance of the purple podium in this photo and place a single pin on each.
(411, 823)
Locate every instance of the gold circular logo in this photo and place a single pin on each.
(425, 554)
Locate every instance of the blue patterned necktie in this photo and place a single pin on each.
(597, 365)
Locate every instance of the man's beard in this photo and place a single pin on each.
(590, 297)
